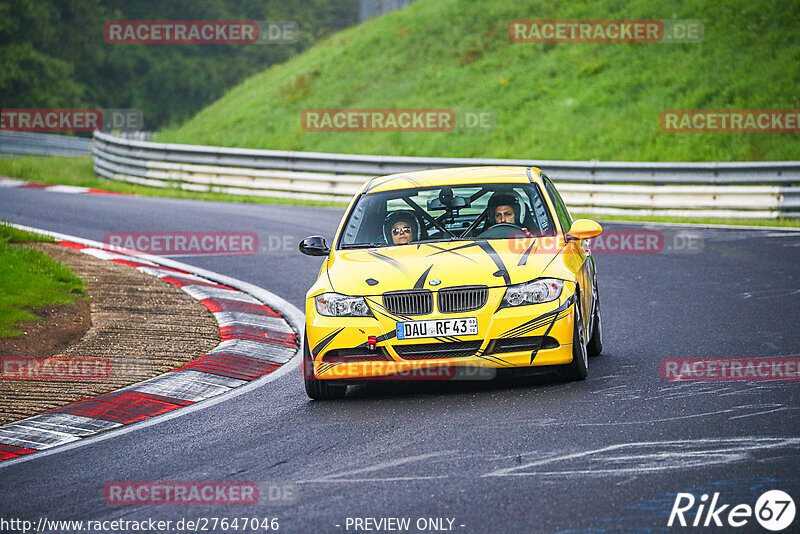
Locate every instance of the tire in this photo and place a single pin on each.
(578, 369)
(595, 346)
(315, 388)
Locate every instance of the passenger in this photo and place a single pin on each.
(401, 227)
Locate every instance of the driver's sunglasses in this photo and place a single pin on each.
(401, 230)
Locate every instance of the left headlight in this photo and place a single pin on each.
(336, 305)
(536, 292)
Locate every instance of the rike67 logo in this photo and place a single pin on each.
(774, 510)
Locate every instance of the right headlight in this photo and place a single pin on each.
(536, 292)
(336, 305)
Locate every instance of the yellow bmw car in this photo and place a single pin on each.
(446, 270)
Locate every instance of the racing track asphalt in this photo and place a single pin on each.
(608, 454)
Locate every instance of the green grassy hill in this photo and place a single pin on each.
(551, 101)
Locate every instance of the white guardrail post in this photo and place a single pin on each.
(746, 189)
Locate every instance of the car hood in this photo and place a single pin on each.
(493, 263)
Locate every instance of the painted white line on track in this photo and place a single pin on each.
(232, 318)
(106, 255)
(20, 434)
(187, 385)
(649, 456)
(77, 425)
(255, 350)
(205, 292)
(67, 189)
(342, 476)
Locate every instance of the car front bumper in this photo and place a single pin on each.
(512, 337)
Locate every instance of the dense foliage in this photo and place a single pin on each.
(53, 53)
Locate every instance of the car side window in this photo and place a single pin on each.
(540, 213)
(561, 209)
(365, 222)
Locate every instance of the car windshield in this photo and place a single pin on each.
(447, 213)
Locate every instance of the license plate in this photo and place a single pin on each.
(468, 326)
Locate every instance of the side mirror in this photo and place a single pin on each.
(584, 229)
(314, 245)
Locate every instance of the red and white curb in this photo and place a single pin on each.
(10, 182)
(256, 340)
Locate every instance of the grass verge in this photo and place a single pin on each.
(30, 279)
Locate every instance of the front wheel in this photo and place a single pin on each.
(579, 368)
(315, 388)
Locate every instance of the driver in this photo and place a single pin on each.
(401, 227)
(504, 208)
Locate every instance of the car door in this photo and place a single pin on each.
(580, 248)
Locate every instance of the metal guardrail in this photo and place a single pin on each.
(681, 189)
(43, 144)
